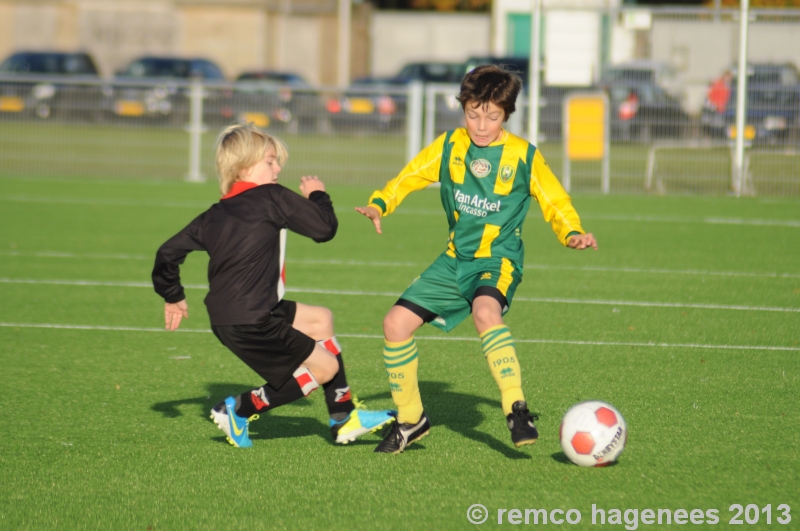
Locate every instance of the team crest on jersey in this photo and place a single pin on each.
(506, 173)
(480, 167)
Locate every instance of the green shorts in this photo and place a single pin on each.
(448, 286)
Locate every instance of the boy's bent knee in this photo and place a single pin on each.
(314, 321)
(400, 324)
(486, 313)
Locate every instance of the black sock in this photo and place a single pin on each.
(337, 394)
(264, 398)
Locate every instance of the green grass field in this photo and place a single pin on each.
(687, 320)
(92, 151)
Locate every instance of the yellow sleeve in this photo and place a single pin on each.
(422, 171)
(554, 201)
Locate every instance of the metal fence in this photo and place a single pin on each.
(668, 133)
(52, 127)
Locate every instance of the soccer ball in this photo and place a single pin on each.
(593, 433)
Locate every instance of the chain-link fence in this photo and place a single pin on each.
(54, 127)
(671, 114)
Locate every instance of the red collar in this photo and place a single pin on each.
(239, 187)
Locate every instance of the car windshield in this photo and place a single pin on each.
(638, 75)
(275, 77)
(513, 64)
(180, 68)
(770, 75)
(49, 63)
(432, 72)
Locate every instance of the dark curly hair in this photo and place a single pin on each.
(491, 83)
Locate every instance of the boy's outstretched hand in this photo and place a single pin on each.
(582, 241)
(174, 312)
(372, 213)
(310, 184)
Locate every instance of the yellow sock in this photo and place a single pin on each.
(498, 347)
(400, 360)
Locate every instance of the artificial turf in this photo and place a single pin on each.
(687, 320)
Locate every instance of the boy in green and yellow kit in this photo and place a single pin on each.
(488, 177)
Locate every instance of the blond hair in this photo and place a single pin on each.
(240, 147)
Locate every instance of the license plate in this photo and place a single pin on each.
(11, 104)
(749, 132)
(360, 106)
(129, 108)
(259, 119)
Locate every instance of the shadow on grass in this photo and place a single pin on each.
(459, 412)
(561, 457)
(269, 426)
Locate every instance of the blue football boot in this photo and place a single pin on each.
(234, 426)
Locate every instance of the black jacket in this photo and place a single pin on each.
(242, 235)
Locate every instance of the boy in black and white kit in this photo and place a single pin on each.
(289, 344)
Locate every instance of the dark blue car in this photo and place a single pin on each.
(772, 104)
(47, 85)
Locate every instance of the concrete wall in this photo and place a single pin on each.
(232, 37)
(115, 33)
(399, 38)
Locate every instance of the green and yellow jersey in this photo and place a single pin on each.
(486, 193)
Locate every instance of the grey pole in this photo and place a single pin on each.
(195, 131)
(343, 62)
(416, 93)
(741, 100)
(533, 73)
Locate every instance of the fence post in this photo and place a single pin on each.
(741, 100)
(414, 119)
(195, 130)
(430, 113)
(533, 74)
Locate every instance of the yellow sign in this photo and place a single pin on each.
(259, 119)
(587, 128)
(11, 104)
(129, 108)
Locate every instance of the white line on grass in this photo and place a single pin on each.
(424, 338)
(18, 198)
(104, 201)
(360, 293)
(709, 220)
(93, 256)
(374, 263)
(652, 219)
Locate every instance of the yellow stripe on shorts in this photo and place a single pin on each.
(506, 278)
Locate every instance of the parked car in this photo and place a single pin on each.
(370, 104)
(644, 72)
(772, 104)
(645, 101)
(448, 109)
(32, 85)
(271, 99)
(155, 89)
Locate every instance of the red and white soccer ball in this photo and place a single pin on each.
(593, 433)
